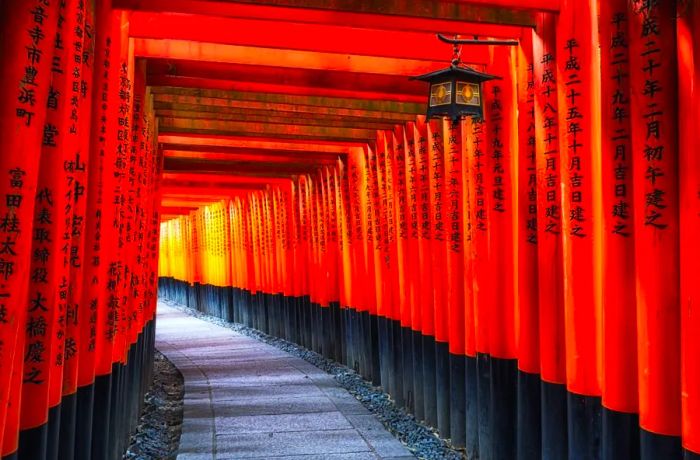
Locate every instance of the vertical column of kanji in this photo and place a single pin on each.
(391, 243)
(471, 440)
(383, 264)
(425, 266)
(335, 256)
(368, 314)
(578, 78)
(290, 254)
(136, 200)
(528, 442)
(331, 265)
(454, 243)
(549, 243)
(413, 338)
(362, 274)
(120, 196)
(404, 341)
(317, 277)
(478, 376)
(378, 307)
(436, 173)
(689, 68)
(293, 285)
(500, 177)
(654, 120)
(49, 273)
(80, 270)
(619, 377)
(29, 29)
(97, 283)
(304, 237)
(343, 262)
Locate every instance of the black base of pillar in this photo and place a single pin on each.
(529, 436)
(442, 387)
(471, 408)
(483, 392)
(407, 368)
(554, 421)
(504, 410)
(688, 455)
(33, 442)
(429, 388)
(418, 400)
(395, 340)
(458, 401)
(101, 419)
(620, 433)
(384, 355)
(584, 421)
(66, 443)
(374, 352)
(658, 446)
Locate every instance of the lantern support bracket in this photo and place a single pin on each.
(476, 41)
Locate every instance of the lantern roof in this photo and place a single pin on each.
(464, 72)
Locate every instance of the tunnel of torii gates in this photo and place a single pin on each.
(527, 284)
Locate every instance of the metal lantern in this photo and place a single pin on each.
(456, 91)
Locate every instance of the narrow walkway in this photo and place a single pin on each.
(247, 399)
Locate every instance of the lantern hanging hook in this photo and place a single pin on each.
(456, 52)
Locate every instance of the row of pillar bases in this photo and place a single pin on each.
(96, 421)
(483, 405)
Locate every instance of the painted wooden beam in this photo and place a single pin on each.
(275, 119)
(208, 104)
(287, 80)
(309, 101)
(252, 143)
(237, 128)
(297, 36)
(273, 88)
(444, 16)
(238, 167)
(249, 55)
(261, 156)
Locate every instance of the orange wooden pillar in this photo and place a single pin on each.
(426, 300)
(529, 433)
(400, 318)
(412, 262)
(501, 185)
(29, 29)
(470, 352)
(654, 122)
(689, 176)
(549, 242)
(455, 276)
(578, 85)
(436, 173)
(479, 376)
(406, 272)
(619, 344)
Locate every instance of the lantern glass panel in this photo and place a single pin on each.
(468, 94)
(440, 94)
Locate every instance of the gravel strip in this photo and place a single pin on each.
(157, 435)
(420, 439)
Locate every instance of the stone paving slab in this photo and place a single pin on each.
(247, 399)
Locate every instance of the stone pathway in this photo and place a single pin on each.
(247, 399)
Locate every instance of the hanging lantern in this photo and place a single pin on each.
(456, 91)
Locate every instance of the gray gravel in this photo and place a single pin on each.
(420, 439)
(158, 433)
